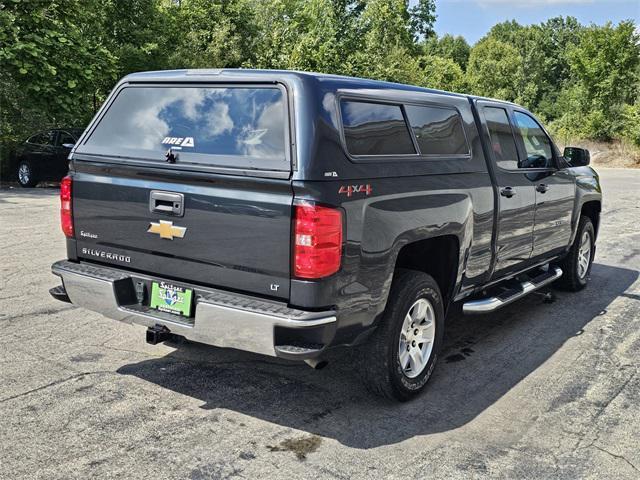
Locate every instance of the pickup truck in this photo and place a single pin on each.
(288, 213)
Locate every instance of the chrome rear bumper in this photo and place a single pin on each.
(221, 318)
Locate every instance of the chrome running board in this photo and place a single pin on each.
(491, 304)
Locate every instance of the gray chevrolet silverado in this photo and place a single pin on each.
(288, 213)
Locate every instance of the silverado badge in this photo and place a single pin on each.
(166, 229)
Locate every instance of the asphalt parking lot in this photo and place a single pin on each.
(538, 390)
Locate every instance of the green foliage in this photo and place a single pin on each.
(631, 123)
(313, 35)
(320, 41)
(558, 36)
(51, 61)
(60, 58)
(604, 66)
(52, 66)
(385, 51)
(584, 80)
(448, 46)
(131, 31)
(423, 16)
(209, 34)
(373, 38)
(443, 73)
(495, 69)
(543, 64)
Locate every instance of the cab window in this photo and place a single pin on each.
(537, 145)
(375, 129)
(437, 130)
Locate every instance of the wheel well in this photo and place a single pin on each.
(592, 210)
(437, 257)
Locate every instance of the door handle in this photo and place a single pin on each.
(542, 188)
(507, 192)
(166, 202)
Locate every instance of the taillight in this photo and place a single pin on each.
(317, 241)
(66, 215)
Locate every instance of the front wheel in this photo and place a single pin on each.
(26, 176)
(398, 360)
(576, 266)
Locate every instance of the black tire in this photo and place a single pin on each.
(26, 175)
(572, 279)
(380, 362)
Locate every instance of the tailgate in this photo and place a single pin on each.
(149, 191)
(232, 232)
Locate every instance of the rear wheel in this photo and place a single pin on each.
(576, 266)
(26, 176)
(398, 360)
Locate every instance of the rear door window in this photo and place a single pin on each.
(375, 129)
(438, 130)
(228, 126)
(503, 145)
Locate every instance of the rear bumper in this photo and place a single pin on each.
(221, 318)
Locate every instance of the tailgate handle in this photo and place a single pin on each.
(166, 202)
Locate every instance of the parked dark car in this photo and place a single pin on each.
(43, 156)
(287, 213)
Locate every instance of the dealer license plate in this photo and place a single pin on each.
(170, 298)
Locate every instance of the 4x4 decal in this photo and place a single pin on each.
(351, 189)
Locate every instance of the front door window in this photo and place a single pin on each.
(537, 145)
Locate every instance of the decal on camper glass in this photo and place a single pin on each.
(179, 141)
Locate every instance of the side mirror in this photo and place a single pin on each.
(577, 157)
(68, 145)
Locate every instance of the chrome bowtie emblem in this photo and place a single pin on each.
(166, 229)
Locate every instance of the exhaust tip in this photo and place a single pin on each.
(316, 364)
(59, 293)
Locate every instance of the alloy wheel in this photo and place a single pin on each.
(584, 255)
(416, 338)
(24, 173)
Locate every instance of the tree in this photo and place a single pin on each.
(51, 55)
(448, 46)
(495, 69)
(529, 42)
(544, 71)
(598, 101)
(605, 65)
(423, 16)
(210, 33)
(386, 50)
(631, 123)
(138, 33)
(53, 66)
(59, 58)
(557, 36)
(318, 45)
(312, 35)
(443, 74)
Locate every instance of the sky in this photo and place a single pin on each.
(473, 18)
